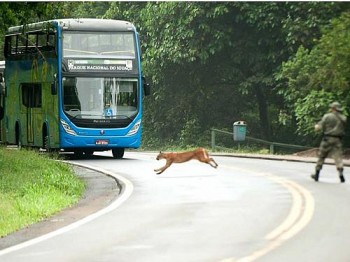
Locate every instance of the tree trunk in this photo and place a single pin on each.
(263, 113)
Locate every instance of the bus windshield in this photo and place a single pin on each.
(101, 44)
(100, 98)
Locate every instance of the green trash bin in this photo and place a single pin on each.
(239, 130)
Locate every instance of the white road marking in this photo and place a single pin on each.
(300, 214)
(125, 194)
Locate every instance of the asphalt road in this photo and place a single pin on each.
(246, 210)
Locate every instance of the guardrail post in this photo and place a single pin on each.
(213, 139)
(272, 148)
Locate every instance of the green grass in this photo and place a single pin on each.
(33, 187)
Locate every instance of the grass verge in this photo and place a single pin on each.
(33, 187)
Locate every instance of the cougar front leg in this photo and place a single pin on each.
(162, 169)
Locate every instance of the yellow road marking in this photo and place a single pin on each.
(300, 214)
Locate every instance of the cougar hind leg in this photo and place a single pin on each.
(210, 159)
(207, 159)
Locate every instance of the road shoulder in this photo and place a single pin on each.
(100, 191)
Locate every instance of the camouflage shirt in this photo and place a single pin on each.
(333, 124)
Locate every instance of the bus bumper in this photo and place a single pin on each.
(100, 143)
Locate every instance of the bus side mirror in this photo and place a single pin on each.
(146, 87)
(54, 86)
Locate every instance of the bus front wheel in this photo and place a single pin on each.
(118, 153)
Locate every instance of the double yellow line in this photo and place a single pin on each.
(300, 214)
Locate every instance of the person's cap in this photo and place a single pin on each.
(336, 106)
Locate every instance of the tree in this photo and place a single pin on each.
(315, 77)
(235, 47)
(279, 29)
(213, 63)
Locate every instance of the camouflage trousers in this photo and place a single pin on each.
(330, 147)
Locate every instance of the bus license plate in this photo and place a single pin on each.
(101, 142)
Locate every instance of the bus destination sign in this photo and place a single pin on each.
(99, 65)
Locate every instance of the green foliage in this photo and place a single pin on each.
(33, 187)
(308, 112)
(234, 67)
(316, 77)
(213, 63)
(191, 135)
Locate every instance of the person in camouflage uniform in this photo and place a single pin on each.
(333, 127)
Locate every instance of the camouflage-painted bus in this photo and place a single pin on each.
(74, 85)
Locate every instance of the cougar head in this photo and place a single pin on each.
(160, 155)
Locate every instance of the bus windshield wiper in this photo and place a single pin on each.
(120, 116)
(80, 51)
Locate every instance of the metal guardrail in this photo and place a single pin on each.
(272, 145)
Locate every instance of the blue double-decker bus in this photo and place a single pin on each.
(74, 85)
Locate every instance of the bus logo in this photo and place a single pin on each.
(108, 112)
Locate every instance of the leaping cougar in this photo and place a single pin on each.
(200, 154)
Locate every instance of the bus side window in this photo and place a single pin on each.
(31, 95)
(11, 45)
(46, 42)
(7, 47)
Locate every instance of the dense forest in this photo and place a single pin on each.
(275, 65)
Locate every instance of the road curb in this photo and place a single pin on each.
(101, 190)
(290, 158)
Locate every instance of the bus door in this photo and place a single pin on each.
(31, 99)
(2, 104)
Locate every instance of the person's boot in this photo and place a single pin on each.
(341, 176)
(316, 175)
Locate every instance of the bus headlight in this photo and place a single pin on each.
(67, 128)
(134, 129)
